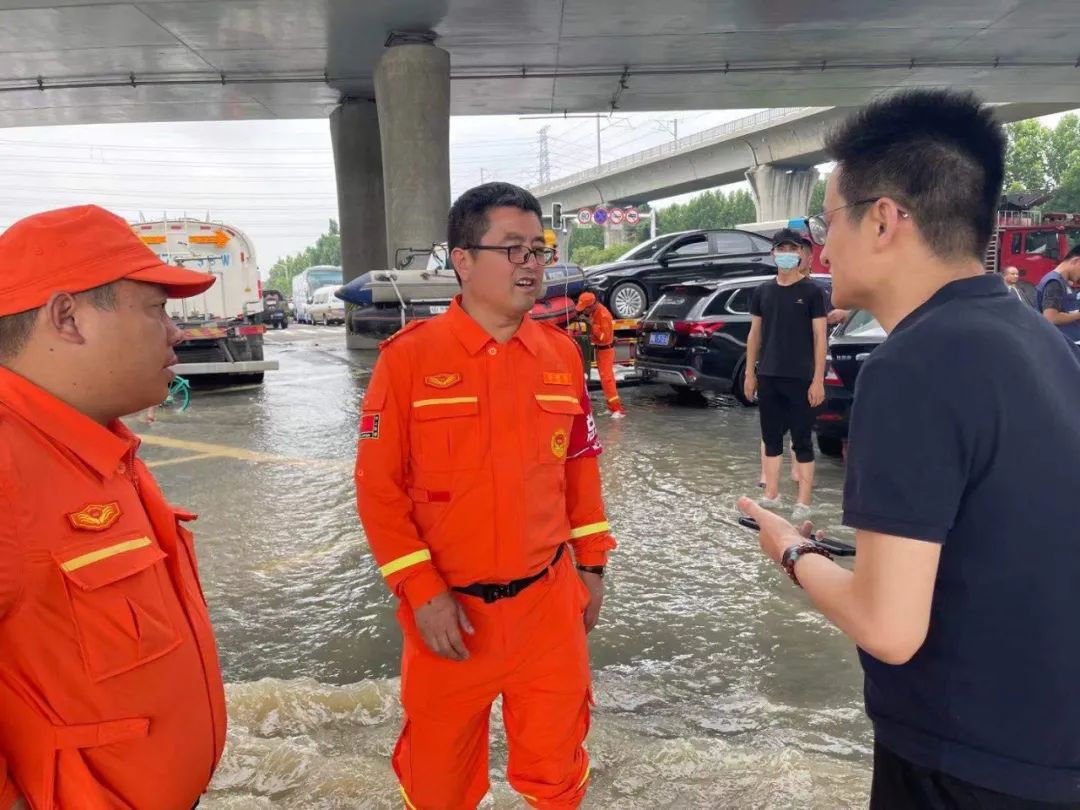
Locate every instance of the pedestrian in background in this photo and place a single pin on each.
(1011, 277)
(1056, 298)
(785, 366)
(963, 596)
(602, 335)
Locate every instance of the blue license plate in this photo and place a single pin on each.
(659, 338)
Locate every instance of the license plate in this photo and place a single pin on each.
(659, 338)
(439, 310)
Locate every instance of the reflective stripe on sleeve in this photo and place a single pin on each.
(592, 528)
(407, 561)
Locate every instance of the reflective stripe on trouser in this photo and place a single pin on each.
(605, 364)
(530, 649)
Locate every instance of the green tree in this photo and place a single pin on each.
(326, 250)
(817, 197)
(1026, 160)
(710, 209)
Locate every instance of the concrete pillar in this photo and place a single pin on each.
(354, 133)
(412, 90)
(781, 192)
(615, 235)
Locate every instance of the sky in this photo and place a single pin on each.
(274, 180)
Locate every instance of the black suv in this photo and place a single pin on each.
(694, 338)
(629, 286)
(849, 347)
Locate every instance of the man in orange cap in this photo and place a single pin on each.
(110, 690)
(476, 468)
(602, 335)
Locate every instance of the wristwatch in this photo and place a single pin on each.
(592, 569)
(793, 553)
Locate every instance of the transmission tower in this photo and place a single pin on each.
(545, 158)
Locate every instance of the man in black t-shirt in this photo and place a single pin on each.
(964, 598)
(785, 365)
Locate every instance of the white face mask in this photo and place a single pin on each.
(787, 261)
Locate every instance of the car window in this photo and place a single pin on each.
(862, 324)
(760, 243)
(739, 302)
(691, 246)
(673, 306)
(1072, 237)
(645, 250)
(731, 242)
(1042, 243)
(718, 305)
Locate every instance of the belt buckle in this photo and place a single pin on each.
(493, 593)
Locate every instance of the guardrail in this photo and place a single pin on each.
(686, 144)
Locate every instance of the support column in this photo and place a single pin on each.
(412, 90)
(354, 133)
(614, 235)
(781, 192)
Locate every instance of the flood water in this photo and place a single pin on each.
(718, 686)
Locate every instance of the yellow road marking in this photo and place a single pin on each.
(206, 450)
(167, 461)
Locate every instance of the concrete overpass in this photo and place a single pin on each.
(389, 73)
(776, 150)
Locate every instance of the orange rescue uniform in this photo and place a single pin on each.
(602, 335)
(476, 464)
(110, 690)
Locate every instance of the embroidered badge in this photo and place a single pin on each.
(442, 380)
(95, 517)
(369, 426)
(556, 378)
(559, 443)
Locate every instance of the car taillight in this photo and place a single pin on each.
(831, 377)
(697, 329)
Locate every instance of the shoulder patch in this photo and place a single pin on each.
(410, 326)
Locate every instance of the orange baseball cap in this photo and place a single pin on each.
(76, 249)
(585, 300)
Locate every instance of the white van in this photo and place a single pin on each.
(325, 307)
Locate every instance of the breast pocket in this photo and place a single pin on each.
(555, 414)
(115, 589)
(447, 434)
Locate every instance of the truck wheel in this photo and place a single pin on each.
(284, 324)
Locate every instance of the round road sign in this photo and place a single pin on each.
(600, 215)
(632, 216)
(584, 216)
(616, 216)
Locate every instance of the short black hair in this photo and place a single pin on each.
(1074, 253)
(468, 222)
(939, 153)
(16, 329)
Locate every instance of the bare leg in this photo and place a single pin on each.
(794, 466)
(806, 482)
(772, 476)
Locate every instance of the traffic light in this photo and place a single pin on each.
(556, 216)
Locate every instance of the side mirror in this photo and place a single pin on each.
(662, 258)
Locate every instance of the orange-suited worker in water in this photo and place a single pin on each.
(479, 490)
(602, 336)
(110, 689)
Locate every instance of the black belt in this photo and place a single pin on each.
(494, 592)
(606, 346)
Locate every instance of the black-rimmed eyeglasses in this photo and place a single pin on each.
(519, 254)
(819, 228)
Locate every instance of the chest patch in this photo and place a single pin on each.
(442, 380)
(95, 517)
(556, 378)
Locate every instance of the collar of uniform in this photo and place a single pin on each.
(102, 448)
(986, 285)
(474, 337)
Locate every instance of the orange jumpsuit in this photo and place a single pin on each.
(110, 690)
(602, 335)
(476, 464)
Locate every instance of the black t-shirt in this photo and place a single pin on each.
(965, 432)
(787, 332)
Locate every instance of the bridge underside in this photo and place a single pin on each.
(87, 61)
